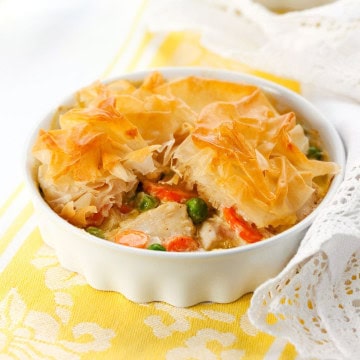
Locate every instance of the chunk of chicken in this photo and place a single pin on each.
(215, 233)
(168, 219)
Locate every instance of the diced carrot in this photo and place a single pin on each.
(181, 244)
(167, 192)
(133, 238)
(125, 208)
(245, 230)
(95, 219)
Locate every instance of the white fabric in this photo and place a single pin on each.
(315, 301)
(293, 44)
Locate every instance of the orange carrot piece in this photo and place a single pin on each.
(167, 192)
(125, 208)
(95, 219)
(181, 244)
(133, 238)
(245, 230)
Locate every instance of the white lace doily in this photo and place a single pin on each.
(315, 301)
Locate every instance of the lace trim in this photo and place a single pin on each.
(298, 305)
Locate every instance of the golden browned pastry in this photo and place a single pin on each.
(175, 141)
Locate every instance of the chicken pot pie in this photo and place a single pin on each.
(190, 164)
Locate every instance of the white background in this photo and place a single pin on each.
(49, 49)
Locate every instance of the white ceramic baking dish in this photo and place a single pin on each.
(182, 279)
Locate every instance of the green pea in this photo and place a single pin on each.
(93, 230)
(157, 247)
(197, 209)
(314, 153)
(146, 202)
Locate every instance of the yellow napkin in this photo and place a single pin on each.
(48, 312)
